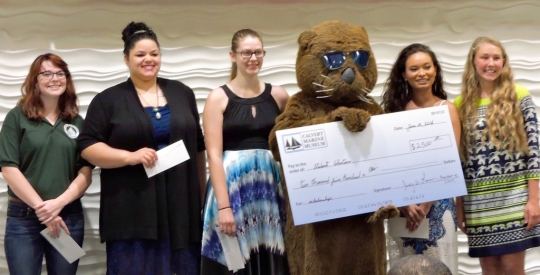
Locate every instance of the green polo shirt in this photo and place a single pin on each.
(46, 154)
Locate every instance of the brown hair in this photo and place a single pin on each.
(31, 103)
(239, 35)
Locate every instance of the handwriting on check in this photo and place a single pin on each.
(430, 143)
(331, 180)
(407, 185)
(444, 178)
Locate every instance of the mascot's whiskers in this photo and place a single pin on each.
(323, 86)
(363, 97)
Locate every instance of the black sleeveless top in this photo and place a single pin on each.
(242, 131)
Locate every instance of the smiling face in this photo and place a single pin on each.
(420, 72)
(488, 62)
(144, 60)
(253, 64)
(50, 87)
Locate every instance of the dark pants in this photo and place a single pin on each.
(25, 247)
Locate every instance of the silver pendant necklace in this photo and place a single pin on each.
(156, 109)
(157, 114)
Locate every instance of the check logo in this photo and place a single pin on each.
(292, 144)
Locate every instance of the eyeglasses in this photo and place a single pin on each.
(334, 60)
(49, 75)
(249, 54)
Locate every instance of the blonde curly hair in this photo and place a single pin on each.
(504, 121)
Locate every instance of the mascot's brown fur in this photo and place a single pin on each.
(352, 245)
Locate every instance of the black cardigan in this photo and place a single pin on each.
(133, 206)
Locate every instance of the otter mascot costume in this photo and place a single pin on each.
(335, 70)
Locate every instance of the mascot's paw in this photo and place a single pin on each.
(385, 212)
(355, 120)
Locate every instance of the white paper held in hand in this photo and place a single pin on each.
(66, 246)
(397, 229)
(168, 157)
(231, 249)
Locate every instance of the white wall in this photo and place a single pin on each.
(195, 37)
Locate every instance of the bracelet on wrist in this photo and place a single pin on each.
(224, 208)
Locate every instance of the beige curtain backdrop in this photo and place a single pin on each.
(195, 39)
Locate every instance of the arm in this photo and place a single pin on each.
(20, 186)
(95, 134)
(104, 156)
(201, 169)
(48, 210)
(456, 125)
(460, 211)
(11, 135)
(213, 132)
(280, 96)
(532, 209)
(24, 191)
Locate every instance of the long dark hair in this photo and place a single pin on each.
(31, 103)
(397, 92)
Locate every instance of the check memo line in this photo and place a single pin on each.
(405, 168)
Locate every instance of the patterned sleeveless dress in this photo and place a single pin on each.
(255, 190)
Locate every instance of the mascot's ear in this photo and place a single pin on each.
(304, 40)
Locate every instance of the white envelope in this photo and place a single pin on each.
(66, 246)
(397, 229)
(231, 249)
(168, 157)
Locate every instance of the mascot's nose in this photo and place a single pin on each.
(348, 75)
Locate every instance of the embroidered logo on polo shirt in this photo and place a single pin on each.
(71, 131)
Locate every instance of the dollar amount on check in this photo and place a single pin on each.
(401, 159)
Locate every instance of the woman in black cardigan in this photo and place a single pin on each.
(150, 225)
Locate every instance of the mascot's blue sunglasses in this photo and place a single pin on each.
(334, 60)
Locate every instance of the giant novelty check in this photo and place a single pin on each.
(401, 159)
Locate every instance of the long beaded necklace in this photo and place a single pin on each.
(157, 114)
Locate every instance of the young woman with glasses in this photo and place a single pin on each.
(150, 225)
(43, 169)
(245, 197)
(416, 82)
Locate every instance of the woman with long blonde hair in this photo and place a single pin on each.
(499, 146)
